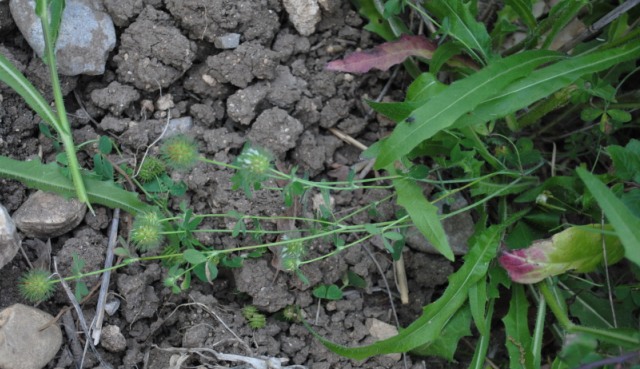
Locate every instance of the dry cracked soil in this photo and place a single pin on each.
(273, 91)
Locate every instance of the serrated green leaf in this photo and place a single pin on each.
(447, 342)
(194, 257)
(459, 22)
(48, 177)
(626, 161)
(477, 303)
(543, 82)
(461, 97)
(423, 214)
(435, 316)
(624, 222)
(516, 324)
(523, 9)
(377, 23)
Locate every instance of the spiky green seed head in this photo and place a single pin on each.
(180, 152)
(296, 249)
(290, 313)
(36, 285)
(146, 233)
(249, 311)
(151, 168)
(255, 160)
(257, 321)
(289, 263)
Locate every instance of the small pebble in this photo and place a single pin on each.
(228, 41)
(112, 340)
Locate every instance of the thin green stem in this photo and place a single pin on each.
(62, 126)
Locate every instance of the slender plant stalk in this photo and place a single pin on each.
(63, 127)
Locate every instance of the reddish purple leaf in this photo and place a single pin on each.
(385, 55)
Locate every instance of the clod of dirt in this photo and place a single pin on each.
(304, 14)
(242, 105)
(22, 344)
(153, 53)
(116, 97)
(276, 130)
(88, 247)
(314, 150)
(6, 22)
(85, 38)
(112, 340)
(458, 229)
(46, 215)
(256, 279)
(9, 238)
(240, 66)
(208, 19)
(123, 12)
(286, 89)
(141, 300)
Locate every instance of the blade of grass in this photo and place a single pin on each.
(545, 81)
(461, 97)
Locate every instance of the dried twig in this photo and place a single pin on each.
(600, 24)
(104, 287)
(83, 322)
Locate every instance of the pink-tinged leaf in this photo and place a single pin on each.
(385, 55)
(575, 248)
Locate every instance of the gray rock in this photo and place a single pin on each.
(22, 344)
(458, 229)
(9, 238)
(112, 340)
(86, 35)
(304, 14)
(227, 41)
(46, 215)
